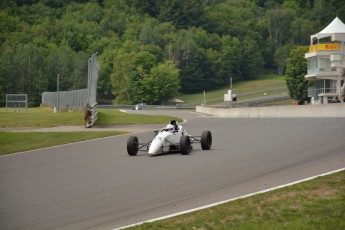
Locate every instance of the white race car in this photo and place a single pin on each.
(137, 107)
(172, 138)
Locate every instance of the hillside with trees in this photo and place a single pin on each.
(150, 50)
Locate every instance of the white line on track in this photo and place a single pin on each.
(233, 199)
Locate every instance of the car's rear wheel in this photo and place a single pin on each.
(132, 145)
(185, 145)
(206, 140)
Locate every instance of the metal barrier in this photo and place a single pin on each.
(16, 100)
(75, 99)
(78, 99)
(91, 115)
(93, 70)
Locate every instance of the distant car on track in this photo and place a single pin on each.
(172, 138)
(137, 107)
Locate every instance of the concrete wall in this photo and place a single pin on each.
(329, 110)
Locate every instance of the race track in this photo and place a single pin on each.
(96, 185)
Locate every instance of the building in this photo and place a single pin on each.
(326, 64)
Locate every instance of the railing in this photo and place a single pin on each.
(322, 70)
(315, 92)
(326, 90)
(239, 96)
(243, 103)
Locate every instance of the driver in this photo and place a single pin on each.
(173, 122)
(170, 128)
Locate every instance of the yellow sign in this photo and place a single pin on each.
(329, 46)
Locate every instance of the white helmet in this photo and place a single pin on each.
(169, 128)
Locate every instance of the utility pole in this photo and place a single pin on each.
(57, 90)
(231, 92)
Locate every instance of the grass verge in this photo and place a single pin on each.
(113, 116)
(39, 118)
(266, 82)
(44, 117)
(11, 142)
(315, 204)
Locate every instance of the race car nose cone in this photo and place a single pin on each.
(156, 147)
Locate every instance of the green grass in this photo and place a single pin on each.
(282, 102)
(264, 83)
(39, 117)
(12, 142)
(113, 116)
(44, 117)
(316, 204)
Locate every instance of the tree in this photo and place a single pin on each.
(2, 82)
(207, 41)
(236, 17)
(301, 29)
(278, 23)
(281, 55)
(104, 84)
(250, 58)
(182, 14)
(161, 85)
(120, 76)
(267, 50)
(296, 70)
(229, 51)
(142, 64)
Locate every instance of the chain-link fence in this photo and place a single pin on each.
(17, 101)
(76, 99)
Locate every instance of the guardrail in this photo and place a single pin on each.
(91, 115)
(182, 106)
(242, 95)
(255, 102)
(243, 103)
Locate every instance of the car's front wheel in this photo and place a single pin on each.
(185, 145)
(206, 140)
(132, 145)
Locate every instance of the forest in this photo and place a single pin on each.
(150, 50)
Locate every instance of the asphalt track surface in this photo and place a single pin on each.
(96, 185)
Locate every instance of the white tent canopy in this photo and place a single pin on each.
(335, 27)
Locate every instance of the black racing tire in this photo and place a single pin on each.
(132, 145)
(185, 145)
(206, 140)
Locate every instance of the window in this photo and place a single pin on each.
(312, 65)
(325, 86)
(325, 64)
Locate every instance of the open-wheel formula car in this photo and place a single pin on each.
(172, 138)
